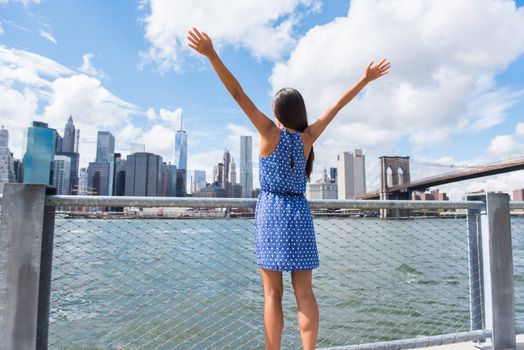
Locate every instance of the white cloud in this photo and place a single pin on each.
(519, 129)
(88, 68)
(265, 28)
(441, 81)
(166, 116)
(48, 36)
(507, 146)
(29, 69)
(26, 3)
(33, 87)
(1, 28)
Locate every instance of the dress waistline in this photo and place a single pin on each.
(284, 193)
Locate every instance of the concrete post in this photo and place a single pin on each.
(475, 270)
(26, 243)
(497, 269)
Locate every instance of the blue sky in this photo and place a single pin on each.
(449, 100)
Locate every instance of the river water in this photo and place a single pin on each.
(194, 284)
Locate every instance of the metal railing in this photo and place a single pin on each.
(138, 283)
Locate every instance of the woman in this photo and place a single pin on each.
(284, 235)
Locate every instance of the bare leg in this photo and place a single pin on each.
(273, 315)
(307, 308)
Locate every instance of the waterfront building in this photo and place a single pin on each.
(434, 195)
(105, 146)
(214, 176)
(351, 174)
(168, 180)
(105, 150)
(181, 160)
(82, 189)
(39, 153)
(58, 142)
(199, 180)
(143, 174)
(4, 137)
(246, 166)
(333, 174)
(119, 180)
(227, 162)
(518, 195)
(181, 186)
(62, 174)
(324, 188)
(213, 190)
(77, 140)
(69, 141)
(220, 175)
(236, 190)
(98, 178)
(233, 176)
(7, 169)
(18, 167)
(73, 176)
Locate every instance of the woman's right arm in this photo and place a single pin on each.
(201, 42)
(314, 130)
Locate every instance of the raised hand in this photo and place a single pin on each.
(374, 72)
(200, 42)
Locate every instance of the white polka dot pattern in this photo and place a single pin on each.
(284, 234)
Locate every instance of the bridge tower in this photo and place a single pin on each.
(394, 173)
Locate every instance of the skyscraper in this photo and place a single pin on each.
(227, 161)
(181, 160)
(233, 175)
(105, 146)
(220, 176)
(68, 143)
(98, 178)
(4, 137)
(77, 140)
(143, 174)
(168, 188)
(70, 149)
(105, 150)
(7, 170)
(62, 174)
(199, 181)
(82, 182)
(351, 174)
(119, 180)
(39, 154)
(246, 166)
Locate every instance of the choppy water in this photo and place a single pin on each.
(193, 284)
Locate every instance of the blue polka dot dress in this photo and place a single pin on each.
(284, 233)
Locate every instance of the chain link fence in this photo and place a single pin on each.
(517, 236)
(194, 284)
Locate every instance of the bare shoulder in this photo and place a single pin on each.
(269, 140)
(307, 141)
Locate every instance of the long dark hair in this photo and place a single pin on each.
(290, 110)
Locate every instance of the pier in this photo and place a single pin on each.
(193, 283)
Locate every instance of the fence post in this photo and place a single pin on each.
(26, 243)
(475, 269)
(497, 269)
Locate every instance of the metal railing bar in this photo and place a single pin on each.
(202, 202)
(516, 205)
(419, 342)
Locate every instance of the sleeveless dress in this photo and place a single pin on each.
(284, 234)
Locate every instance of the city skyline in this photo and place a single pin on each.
(448, 100)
